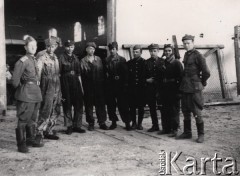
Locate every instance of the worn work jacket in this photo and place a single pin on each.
(25, 79)
(48, 67)
(116, 71)
(196, 72)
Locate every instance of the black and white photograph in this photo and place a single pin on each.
(119, 87)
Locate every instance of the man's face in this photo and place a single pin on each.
(70, 49)
(51, 48)
(154, 52)
(137, 53)
(188, 44)
(168, 51)
(113, 51)
(31, 47)
(90, 50)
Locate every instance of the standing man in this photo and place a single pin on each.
(48, 70)
(169, 78)
(117, 83)
(71, 86)
(93, 85)
(195, 76)
(151, 84)
(136, 87)
(28, 96)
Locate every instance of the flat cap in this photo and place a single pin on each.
(113, 45)
(51, 41)
(188, 37)
(91, 44)
(136, 47)
(69, 43)
(153, 46)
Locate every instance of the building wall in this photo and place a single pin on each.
(155, 21)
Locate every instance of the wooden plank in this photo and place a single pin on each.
(144, 46)
(176, 50)
(111, 21)
(221, 75)
(237, 55)
(210, 52)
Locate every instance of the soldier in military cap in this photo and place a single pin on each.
(195, 76)
(48, 70)
(136, 87)
(117, 83)
(28, 96)
(93, 85)
(151, 84)
(169, 74)
(71, 86)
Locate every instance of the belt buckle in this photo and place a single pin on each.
(72, 72)
(116, 77)
(38, 83)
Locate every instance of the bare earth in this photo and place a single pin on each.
(118, 152)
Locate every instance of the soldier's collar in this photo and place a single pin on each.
(30, 56)
(170, 59)
(116, 57)
(191, 51)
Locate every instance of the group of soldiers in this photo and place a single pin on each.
(45, 82)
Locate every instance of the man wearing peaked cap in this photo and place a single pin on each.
(188, 37)
(69, 43)
(153, 46)
(51, 41)
(151, 84)
(191, 87)
(136, 87)
(113, 45)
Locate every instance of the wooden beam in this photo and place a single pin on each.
(111, 21)
(237, 55)
(3, 97)
(210, 52)
(221, 75)
(144, 46)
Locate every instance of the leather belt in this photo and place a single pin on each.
(165, 80)
(31, 82)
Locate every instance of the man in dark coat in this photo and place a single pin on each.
(169, 77)
(195, 76)
(71, 86)
(136, 87)
(28, 96)
(151, 84)
(117, 82)
(93, 85)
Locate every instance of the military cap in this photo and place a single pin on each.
(188, 37)
(69, 43)
(153, 46)
(113, 45)
(136, 47)
(51, 41)
(28, 39)
(92, 44)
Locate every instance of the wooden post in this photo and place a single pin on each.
(221, 75)
(237, 55)
(111, 21)
(3, 99)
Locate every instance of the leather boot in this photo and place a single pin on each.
(200, 130)
(33, 139)
(21, 140)
(139, 125)
(128, 127)
(113, 125)
(187, 134)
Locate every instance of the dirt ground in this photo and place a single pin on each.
(118, 152)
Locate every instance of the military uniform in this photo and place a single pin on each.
(93, 85)
(117, 80)
(195, 76)
(48, 67)
(28, 96)
(72, 94)
(136, 89)
(169, 77)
